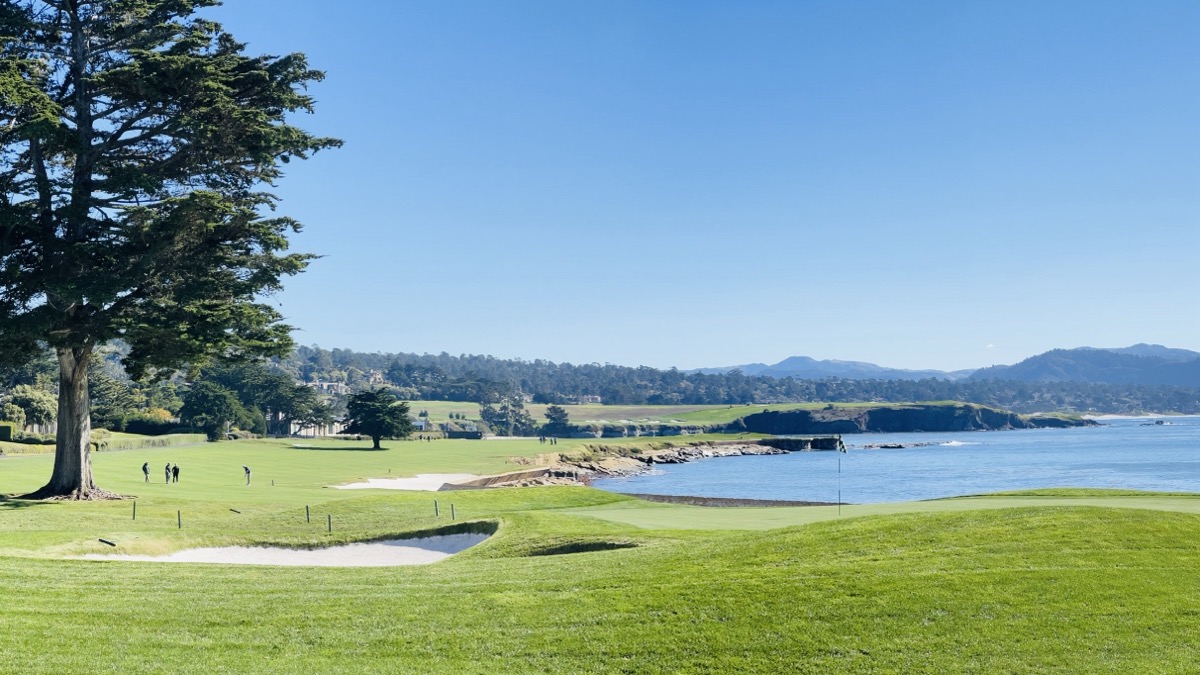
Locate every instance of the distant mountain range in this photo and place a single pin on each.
(806, 368)
(1138, 364)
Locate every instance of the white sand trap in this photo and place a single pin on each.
(368, 554)
(423, 481)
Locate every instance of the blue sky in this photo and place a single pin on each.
(921, 185)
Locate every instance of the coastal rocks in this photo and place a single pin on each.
(632, 465)
(694, 452)
(899, 418)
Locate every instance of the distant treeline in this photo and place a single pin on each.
(486, 379)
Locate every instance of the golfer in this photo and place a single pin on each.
(146, 471)
(247, 470)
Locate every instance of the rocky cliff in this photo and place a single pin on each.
(898, 418)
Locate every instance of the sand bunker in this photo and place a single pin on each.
(424, 481)
(368, 554)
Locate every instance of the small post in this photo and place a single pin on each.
(436, 513)
(329, 521)
(135, 509)
(179, 519)
(307, 517)
(451, 510)
(272, 482)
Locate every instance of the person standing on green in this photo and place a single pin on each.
(247, 470)
(168, 470)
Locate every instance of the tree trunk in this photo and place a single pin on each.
(376, 439)
(72, 477)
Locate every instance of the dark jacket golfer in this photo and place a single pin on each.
(146, 470)
(175, 474)
(247, 470)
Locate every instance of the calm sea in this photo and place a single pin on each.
(1123, 453)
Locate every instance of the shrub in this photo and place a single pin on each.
(33, 439)
(148, 425)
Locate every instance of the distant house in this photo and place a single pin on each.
(589, 399)
(329, 387)
(315, 432)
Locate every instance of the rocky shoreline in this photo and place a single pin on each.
(620, 466)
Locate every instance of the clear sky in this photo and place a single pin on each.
(917, 184)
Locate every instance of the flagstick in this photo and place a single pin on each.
(839, 483)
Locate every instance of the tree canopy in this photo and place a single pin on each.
(136, 140)
(378, 414)
(213, 408)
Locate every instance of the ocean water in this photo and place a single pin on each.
(1122, 453)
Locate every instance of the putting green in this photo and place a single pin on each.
(656, 516)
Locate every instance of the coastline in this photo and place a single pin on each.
(609, 464)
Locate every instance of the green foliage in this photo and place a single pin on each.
(166, 232)
(271, 395)
(214, 409)
(137, 142)
(112, 400)
(377, 413)
(483, 379)
(509, 418)
(39, 406)
(12, 414)
(558, 421)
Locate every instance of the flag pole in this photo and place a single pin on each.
(841, 448)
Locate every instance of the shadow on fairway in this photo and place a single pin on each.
(11, 502)
(321, 449)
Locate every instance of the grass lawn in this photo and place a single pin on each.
(439, 411)
(1045, 581)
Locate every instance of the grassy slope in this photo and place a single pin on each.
(1039, 589)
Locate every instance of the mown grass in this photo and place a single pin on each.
(1031, 583)
(1029, 590)
(439, 411)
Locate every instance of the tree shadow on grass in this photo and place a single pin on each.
(16, 502)
(325, 449)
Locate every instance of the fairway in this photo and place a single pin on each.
(579, 580)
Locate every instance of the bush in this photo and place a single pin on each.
(7, 431)
(33, 439)
(147, 425)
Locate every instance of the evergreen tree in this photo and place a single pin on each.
(136, 140)
(378, 414)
